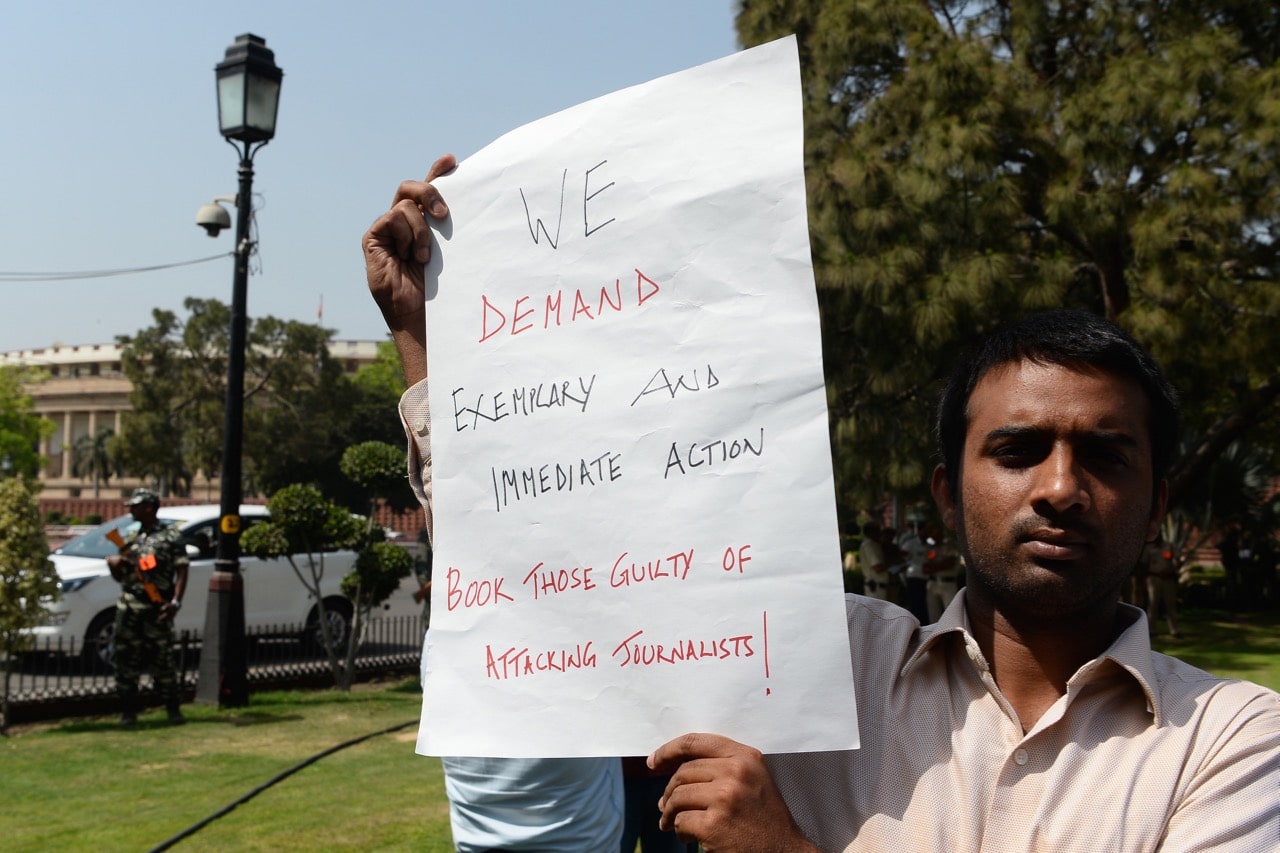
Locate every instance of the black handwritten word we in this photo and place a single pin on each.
(536, 225)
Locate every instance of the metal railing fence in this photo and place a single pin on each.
(54, 680)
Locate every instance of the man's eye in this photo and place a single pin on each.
(1016, 454)
(1111, 457)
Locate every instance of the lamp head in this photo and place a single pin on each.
(248, 91)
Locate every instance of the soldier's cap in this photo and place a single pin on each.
(142, 496)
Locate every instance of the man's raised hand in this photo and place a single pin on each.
(396, 248)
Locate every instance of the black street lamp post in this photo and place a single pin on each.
(248, 97)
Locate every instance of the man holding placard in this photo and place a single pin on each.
(1033, 715)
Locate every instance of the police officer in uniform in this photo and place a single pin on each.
(152, 571)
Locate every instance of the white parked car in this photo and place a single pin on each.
(274, 599)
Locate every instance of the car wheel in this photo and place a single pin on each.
(338, 613)
(99, 650)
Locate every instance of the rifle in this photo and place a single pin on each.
(139, 569)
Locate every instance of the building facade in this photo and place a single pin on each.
(85, 389)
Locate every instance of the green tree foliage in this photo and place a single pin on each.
(970, 161)
(379, 469)
(379, 567)
(27, 577)
(92, 456)
(1236, 492)
(384, 378)
(301, 411)
(20, 427)
(172, 428)
(1233, 490)
(304, 526)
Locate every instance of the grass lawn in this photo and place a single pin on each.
(89, 785)
(1244, 645)
(93, 786)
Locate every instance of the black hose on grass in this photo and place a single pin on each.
(279, 777)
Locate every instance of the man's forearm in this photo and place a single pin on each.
(410, 337)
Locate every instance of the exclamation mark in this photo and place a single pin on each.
(765, 614)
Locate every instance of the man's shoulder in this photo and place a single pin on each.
(874, 617)
(1188, 692)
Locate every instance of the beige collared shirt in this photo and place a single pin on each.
(1144, 752)
(415, 417)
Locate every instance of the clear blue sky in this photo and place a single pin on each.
(110, 140)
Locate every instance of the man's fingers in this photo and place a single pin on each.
(691, 746)
(681, 800)
(423, 193)
(442, 166)
(693, 772)
(401, 232)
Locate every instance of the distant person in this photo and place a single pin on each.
(1162, 585)
(943, 567)
(914, 580)
(527, 804)
(152, 571)
(871, 560)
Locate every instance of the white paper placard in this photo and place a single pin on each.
(635, 532)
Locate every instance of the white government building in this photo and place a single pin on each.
(86, 389)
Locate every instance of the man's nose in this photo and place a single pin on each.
(1061, 482)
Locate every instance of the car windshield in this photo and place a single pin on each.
(96, 544)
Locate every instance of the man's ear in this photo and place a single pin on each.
(943, 498)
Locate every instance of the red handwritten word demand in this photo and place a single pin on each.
(525, 311)
(514, 662)
(632, 652)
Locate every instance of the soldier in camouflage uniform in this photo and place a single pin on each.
(152, 571)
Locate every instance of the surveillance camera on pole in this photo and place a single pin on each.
(213, 217)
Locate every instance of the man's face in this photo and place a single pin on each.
(144, 513)
(1055, 488)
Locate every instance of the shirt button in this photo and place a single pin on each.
(1020, 757)
(420, 426)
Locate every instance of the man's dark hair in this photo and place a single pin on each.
(1071, 339)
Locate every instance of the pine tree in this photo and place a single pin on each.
(969, 162)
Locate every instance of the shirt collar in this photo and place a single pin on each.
(954, 620)
(1131, 649)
